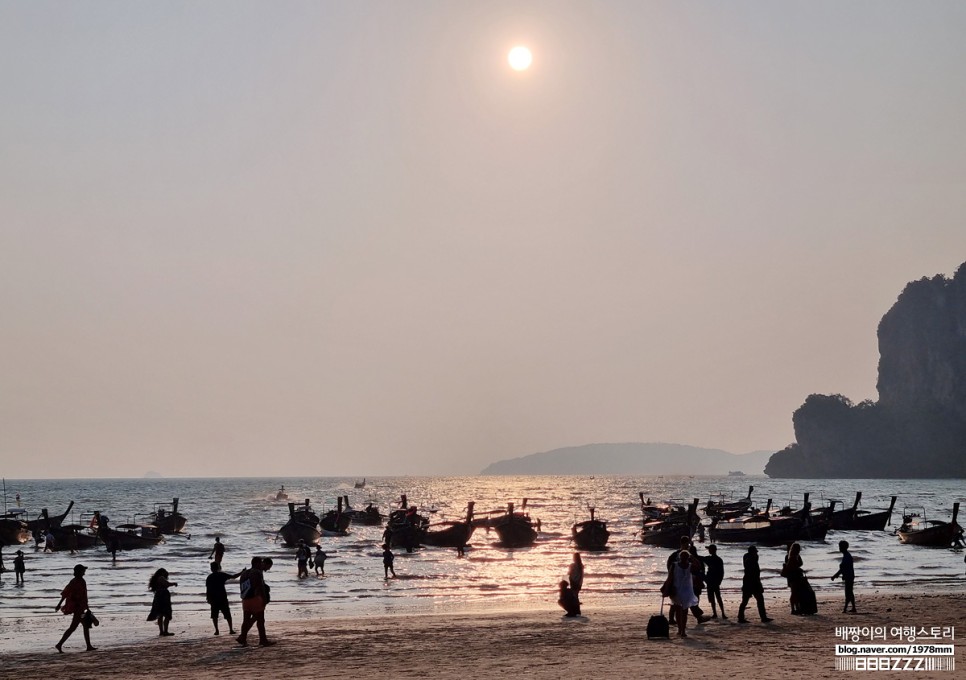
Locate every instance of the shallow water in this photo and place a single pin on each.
(244, 513)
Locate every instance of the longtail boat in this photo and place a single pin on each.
(335, 522)
(667, 532)
(726, 509)
(591, 534)
(933, 533)
(13, 529)
(168, 521)
(73, 536)
(450, 534)
(368, 516)
(766, 529)
(45, 521)
(405, 527)
(302, 525)
(515, 529)
(853, 519)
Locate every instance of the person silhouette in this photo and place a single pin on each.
(576, 574)
(568, 600)
(73, 601)
(161, 605)
(847, 572)
(751, 586)
(713, 579)
(387, 560)
(217, 550)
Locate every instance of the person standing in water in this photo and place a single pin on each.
(847, 572)
(19, 567)
(217, 551)
(387, 560)
(73, 601)
(319, 560)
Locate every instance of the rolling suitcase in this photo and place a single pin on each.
(657, 626)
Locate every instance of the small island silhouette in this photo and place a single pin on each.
(917, 428)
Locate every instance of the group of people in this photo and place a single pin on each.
(689, 572)
(306, 560)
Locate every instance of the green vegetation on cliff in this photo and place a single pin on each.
(917, 428)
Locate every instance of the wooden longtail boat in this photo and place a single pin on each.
(130, 536)
(515, 529)
(78, 534)
(13, 530)
(335, 522)
(591, 534)
(405, 527)
(168, 521)
(667, 532)
(455, 534)
(934, 533)
(368, 516)
(45, 521)
(853, 519)
(302, 525)
(765, 529)
(721, 509)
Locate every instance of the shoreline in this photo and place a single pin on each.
(537, 643)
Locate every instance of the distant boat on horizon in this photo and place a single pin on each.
(736, 473)
(362, 484)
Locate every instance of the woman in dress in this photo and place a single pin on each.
(161, 606)
(802, 598)
(682, 591)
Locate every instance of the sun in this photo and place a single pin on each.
(520, 58)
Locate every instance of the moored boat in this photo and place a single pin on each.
(667, 532)
(591, 534)
(167, 518)
(368, 516)
(73, 537)
(13, 529)
(765, 529)
(515, 529)
(405, 527)
(853, 519)
(933, 533)
(335, 522)
(45, 521)
(450, 534)
(723, 509)
(302, 525)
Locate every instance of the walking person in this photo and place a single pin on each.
(682, 591)
(713, 579)
(217, 551)
(255, 596)
(217, 596)
(575, 574)
(73, 601)
(751, 586)
(19, 567)
(161, 605)
(387, 560)
(847, 572)
(319, 559)
(302, 555)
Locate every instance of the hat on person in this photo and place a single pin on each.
(79, 569)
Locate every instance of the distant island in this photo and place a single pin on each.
(917, 428)
(631, 459)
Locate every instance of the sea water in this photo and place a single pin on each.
(246, 516)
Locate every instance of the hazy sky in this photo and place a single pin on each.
(345, 238)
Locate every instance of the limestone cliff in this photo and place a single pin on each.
(917, 428)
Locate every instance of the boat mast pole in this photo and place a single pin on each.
(4, 495)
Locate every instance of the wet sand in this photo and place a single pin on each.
(605, 643)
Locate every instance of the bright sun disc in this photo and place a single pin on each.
(520, 58)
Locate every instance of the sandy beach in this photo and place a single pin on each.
(605, 643)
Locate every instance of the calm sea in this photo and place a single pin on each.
(244, 513)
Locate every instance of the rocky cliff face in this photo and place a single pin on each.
(918, 426)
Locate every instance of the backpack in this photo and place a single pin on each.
(245, 586)
(657, 626)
